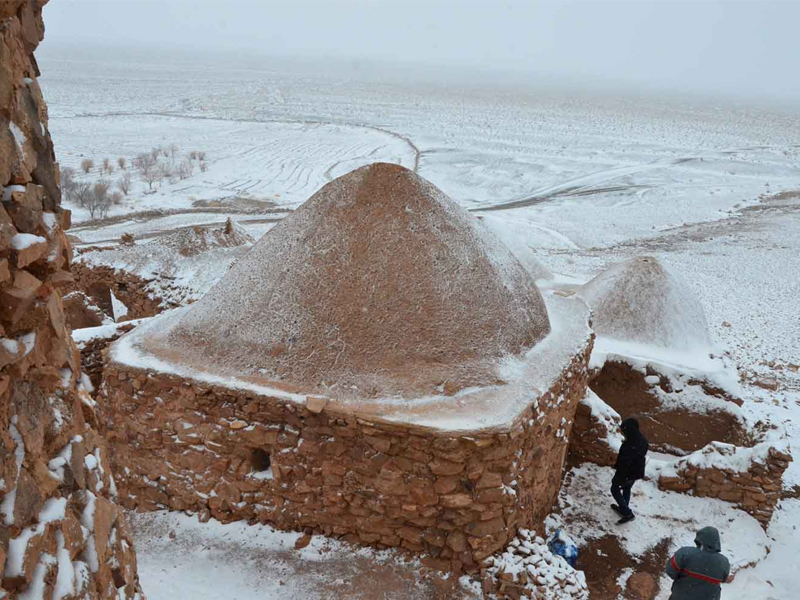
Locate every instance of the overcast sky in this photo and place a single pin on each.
(747, 48)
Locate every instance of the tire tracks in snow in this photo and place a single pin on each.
(405, 139)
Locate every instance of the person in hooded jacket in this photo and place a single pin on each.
(628, 468)
(699, 572)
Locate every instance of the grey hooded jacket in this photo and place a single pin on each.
(699, 572)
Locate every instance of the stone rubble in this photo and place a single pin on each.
(527, 569)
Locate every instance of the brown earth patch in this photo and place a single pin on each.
(603, 560)
(626, 391)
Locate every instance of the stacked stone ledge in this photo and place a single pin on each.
(454, 498)
(756, 490)
(591, 434)
(59, 521)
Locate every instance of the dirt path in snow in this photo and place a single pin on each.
(162, 232)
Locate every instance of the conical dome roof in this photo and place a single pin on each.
(640, 301)
(379, 285)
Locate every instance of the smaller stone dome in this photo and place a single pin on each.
(641, 301)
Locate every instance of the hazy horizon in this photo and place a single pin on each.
(740, 50)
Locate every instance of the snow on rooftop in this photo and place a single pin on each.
(379, 284)
(471, 409)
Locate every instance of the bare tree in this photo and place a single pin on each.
(68, 182)
(193, 155)
(107, 166)
(122, 162)
(185, 169)
(87, 164)
(116, 198)
(203, 167)
(155, 152)
(165, 170)
(124, 183)
(147, 165)
(98, 201)
(201, 155)
(81, 193)
(173, 151)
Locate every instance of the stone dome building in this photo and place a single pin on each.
(379, 285)
(640, 301)
(378, 366)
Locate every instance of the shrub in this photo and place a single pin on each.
(87, 164)
(122, 162)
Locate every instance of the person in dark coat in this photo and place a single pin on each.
(629, 467)
(699, 572)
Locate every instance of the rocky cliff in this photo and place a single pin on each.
(62, 534)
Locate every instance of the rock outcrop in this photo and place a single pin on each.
(62, 533)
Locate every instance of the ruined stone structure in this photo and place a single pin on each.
(750, 478)
(98, 282)
(596, 436)
(377, 367)
(60, 526)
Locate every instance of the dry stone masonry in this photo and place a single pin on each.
(346, 376)
(62, 534)
(240, 455)
(596, 436)
(751, 478)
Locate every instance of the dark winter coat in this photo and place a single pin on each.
(699, 572)
(631, 459)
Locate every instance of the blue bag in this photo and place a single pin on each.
(561, 545)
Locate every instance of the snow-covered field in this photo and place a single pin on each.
(580, 182)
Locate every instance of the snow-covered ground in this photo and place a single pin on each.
(578, 182)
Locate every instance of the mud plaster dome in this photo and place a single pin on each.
(379, 285)
(642, 302)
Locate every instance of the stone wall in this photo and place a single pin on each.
(92, 353)
(596, 436)
(717, 472)
(96, 281)
(59, 522)
(455, 498)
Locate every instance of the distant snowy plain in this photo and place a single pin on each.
(582, 182)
